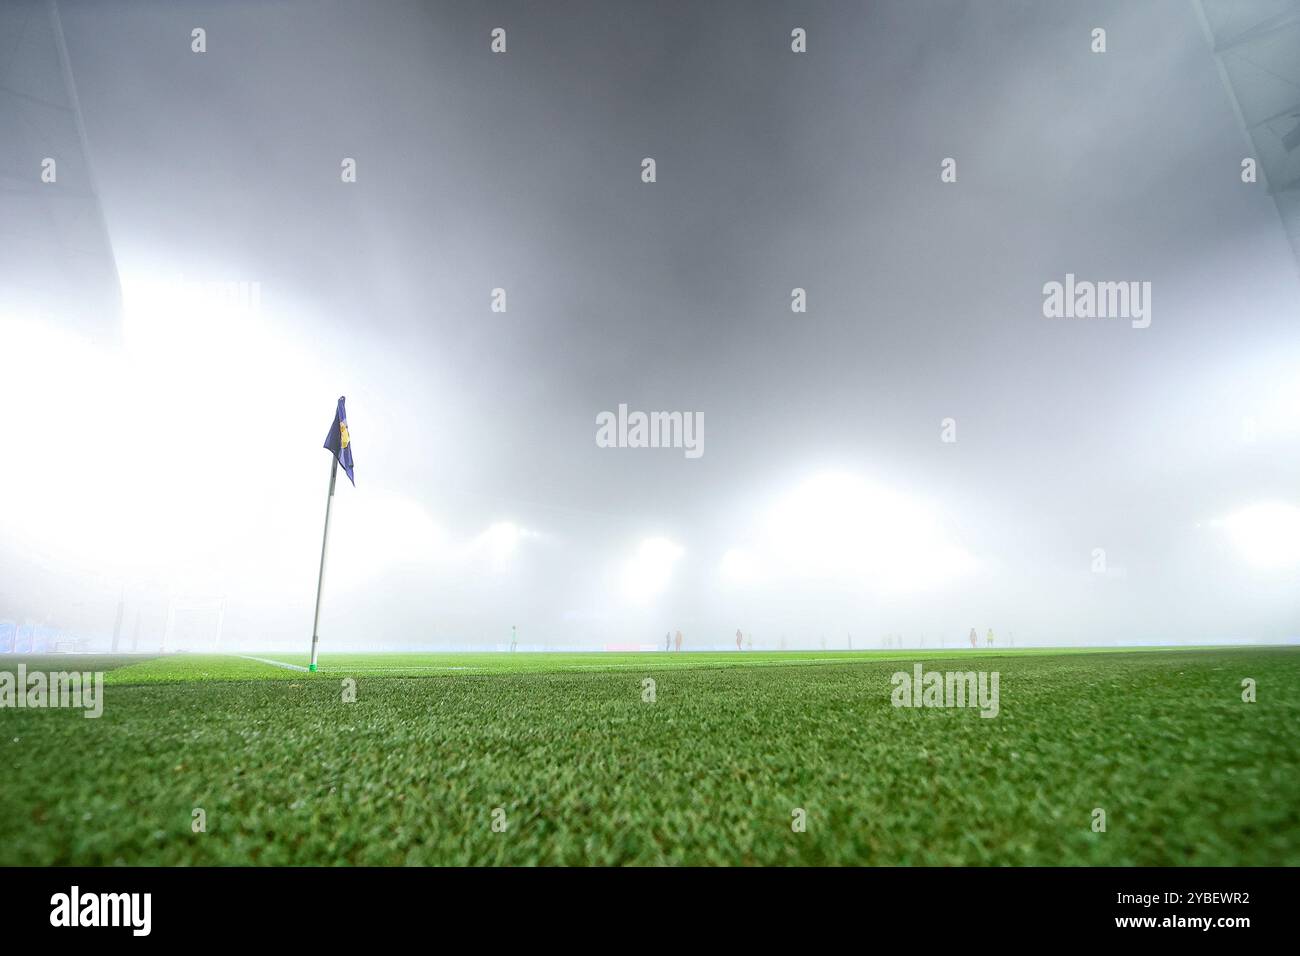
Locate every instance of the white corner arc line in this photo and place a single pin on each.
(265, 660)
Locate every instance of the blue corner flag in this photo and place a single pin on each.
(340, 442)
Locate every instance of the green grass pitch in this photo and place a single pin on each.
(584, 771)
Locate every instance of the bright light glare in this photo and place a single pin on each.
(1279, 415)
(1267, 535)
(379, 531)
(650, 569)
(740, 566)
(500, 541)
(66, 418)
(164, 456)
(841, 527)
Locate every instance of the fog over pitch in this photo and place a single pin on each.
(1109, 480)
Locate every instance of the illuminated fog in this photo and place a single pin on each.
(1107, 484)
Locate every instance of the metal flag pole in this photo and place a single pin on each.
(320, 580)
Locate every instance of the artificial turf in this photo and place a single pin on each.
(582, 770)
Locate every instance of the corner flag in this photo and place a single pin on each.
(339, 442)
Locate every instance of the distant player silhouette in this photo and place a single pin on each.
(514, 639)
(668, 641)
(988, 638)
(739, 638)
(679, 639)
(974, 639)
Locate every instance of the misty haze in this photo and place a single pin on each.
(918, 447)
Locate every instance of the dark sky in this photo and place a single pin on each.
(775, 171)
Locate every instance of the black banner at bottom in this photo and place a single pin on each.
(234, 905)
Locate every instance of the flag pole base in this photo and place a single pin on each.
(311, 668)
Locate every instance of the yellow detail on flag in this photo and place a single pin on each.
(343, 435)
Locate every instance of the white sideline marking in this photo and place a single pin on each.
(264, 660)
(650, 663)
(486, 669)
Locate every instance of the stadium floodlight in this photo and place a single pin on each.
(842, 527)
(57, 432)
(650, 569)
(1267, 535)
